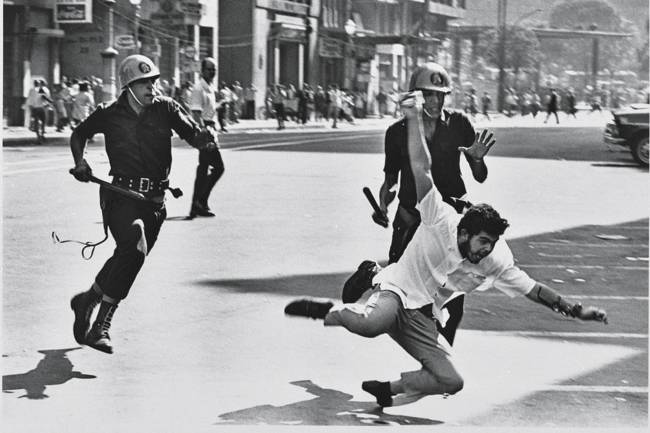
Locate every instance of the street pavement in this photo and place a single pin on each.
(202, 343)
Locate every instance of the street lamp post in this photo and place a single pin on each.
(136, 24)
(350, 28)
(108, 55)
(502, 53)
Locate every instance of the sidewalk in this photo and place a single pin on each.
(20, 136)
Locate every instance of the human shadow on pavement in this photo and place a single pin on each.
(330, 407)
(54, 369)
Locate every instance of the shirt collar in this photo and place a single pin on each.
(444, 117)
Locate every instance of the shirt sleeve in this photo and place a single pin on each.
(392, 153)
(432, 208)
(93, 124)
(181, 122)
(467, 131)
(196, 99)
(510, 279)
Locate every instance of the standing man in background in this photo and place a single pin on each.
(204, 106)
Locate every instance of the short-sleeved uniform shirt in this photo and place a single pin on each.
(139, 145)
(432, 268)
(453, 130)
(204, 99)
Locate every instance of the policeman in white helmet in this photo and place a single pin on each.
(137, 130)
(447, 134)
(138, 76)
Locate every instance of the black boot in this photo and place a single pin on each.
(98, 337)
(83, 305)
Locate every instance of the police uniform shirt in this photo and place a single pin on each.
(432, 268)
(204, 99)
(453, 130)
(139, 145)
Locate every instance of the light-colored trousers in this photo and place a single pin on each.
(383, 313)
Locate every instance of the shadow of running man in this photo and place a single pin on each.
(330, 407)
(54, 369)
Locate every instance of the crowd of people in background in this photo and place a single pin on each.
(71, 101)
(67, 104)
(552, 100)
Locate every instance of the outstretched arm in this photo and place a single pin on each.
(542, 294)
(475, 154)
(419, 157)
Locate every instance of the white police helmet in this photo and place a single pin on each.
(430, 76)
(136, 67)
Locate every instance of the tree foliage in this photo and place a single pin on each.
(522, 49)
(614, 54)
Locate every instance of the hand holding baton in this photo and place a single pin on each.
(378, 215)
(123, 191)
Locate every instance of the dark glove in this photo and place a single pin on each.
(380, 218)
(82, 171)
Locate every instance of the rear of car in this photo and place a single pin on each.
(629, 128)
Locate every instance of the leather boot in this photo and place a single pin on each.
(98, 337)
(83, 305)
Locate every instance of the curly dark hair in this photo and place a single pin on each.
(483, 217)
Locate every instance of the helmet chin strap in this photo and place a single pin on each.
(134, 97)
(427, 112)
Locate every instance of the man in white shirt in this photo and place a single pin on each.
(204, 106)
(449, 254)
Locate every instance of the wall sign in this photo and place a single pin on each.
(73, 11)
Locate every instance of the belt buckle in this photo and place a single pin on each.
(145, 184)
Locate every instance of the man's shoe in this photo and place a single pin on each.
(99, 339)
(83, 304)
(381, 391)
(308, 308)
(199, 210)
(359, 282)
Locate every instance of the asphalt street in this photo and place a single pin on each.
(202, 344)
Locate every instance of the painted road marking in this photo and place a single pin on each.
(596, 388)
(566, 334)
(572, 296)
(236, 143)
(577, 244)
(621, 267)
(291, 143)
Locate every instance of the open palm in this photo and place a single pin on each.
(481, 146)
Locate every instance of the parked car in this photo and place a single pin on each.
(629, 128)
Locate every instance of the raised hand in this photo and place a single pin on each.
(481, 146)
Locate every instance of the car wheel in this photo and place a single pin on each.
(640, 150)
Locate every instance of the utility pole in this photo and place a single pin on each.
(503, 4)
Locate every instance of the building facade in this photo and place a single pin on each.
(266, 42)
(48, 39)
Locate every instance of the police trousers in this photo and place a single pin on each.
(134, 226)
(414, 331)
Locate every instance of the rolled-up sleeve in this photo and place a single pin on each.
(513, 282)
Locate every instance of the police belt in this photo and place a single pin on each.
(141, 184)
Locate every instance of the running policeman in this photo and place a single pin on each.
(137, 129)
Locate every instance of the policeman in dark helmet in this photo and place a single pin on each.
(137, 128)
(448, 134)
